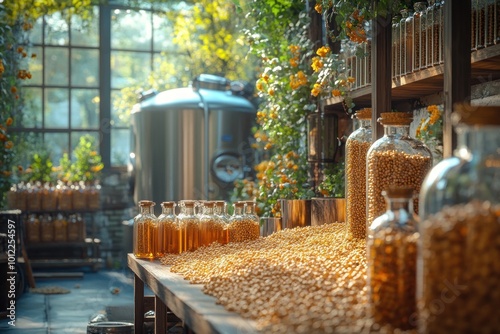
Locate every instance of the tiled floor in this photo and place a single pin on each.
(70, 313)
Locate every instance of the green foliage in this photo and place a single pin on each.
(40, 168)
(333, 184)
(88, 163)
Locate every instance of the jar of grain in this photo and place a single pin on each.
(60, 228)
(251, 215)
(392, 261)
(396, 159)
(209, 226)
(242, 226)
(169, 234)
(46, 228)
(357, 146)
(220, 211)
(145, 236)
(33, 229)
(459, 273)
(189, 225)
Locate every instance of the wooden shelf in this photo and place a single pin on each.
(485, 65)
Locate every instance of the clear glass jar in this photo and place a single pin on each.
(34, 197)
(189, 224)
(396, 159)
(169, 234)
(243, 224)
(145, 231)
(458, 274)
(220, 211)
(392, 261)
(49, 198)
(357, 146)
(210, 226)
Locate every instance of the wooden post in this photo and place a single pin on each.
(381, 71)
(139, 305)
(457, 65)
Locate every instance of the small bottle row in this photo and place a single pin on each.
(47, 228)
(54, 197)
(172, 233)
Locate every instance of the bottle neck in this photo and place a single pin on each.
(250, 209)
(167, 210)
(238, 210)
(365, 123)
(477, 141)
(146, 210)
(187, 210)
(397, 130)
(399, 204)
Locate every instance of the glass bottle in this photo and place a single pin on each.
(189, 224)
(241, 226)
(60, 228)
(253, 220)
(33, 229)
(392, 261)
(46, 228)
(220, 212)
(169, 234)
(145, 231)
(396, 159)
(460, 230)
(73, 229)
(357, 146)
(209, 228)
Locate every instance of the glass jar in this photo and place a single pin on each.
(33, 229)
(79, 196)
(93, 195)
(209, 227)
(46, 228)
(458, 274)
(60, 228)
(189, 224)
(145, 231)
(396, 159)
(34, 197)
(49, 198)
(242, 225)
(357, 146)
(392, 261)
(65, 197)
(253, 220)
(220, 211)
(169, 234)
(74, 230)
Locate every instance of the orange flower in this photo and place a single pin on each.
(316, 90)
(2, 68)
(33, 55)
(13, 89)
(270, 91)
(8, 145)
(350, 79)
(3, 137)
(336, 92)
(319, 8)
(317, 64)
(20, 168)
(323, 51)
(20, 49)
(9, 121)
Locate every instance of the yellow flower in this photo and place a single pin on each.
(323, 51)
(350, 79)
(294, 62)
(336, 92)
(9, 121)
(259, 86)
(9, 145)
(270, 91)
(316, 89)
(2, 68)
(319, 8)
(317, 64)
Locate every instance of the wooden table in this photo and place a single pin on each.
(197, 310)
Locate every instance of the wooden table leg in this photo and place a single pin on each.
(160, 316)
(139, 305)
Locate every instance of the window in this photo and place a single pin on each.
(80, 69)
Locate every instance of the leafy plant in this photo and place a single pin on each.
(333, 184)
(40, 168)
(88, 163)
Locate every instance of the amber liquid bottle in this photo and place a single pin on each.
(145, 231)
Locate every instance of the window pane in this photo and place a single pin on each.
(56, 66)
(128, 68)
(119, 117)
(85, 108)
(75, 139)
(172, 69)
(27, 143)
(32, 109)
(35, 35)
(56, 30)
(85, 33)
(35, 66)
(84, 67)
(120, 146)
(131, 29)
(162, 34)
(56, 108)
(57, 144)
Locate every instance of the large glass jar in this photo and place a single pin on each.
(357, 146)
(243, 226)
(145, 231)
(189, 225)
(459, 272)
(396, 159)
(220, 211)
(49, 198)
(209, 225)
(60, 228)
(392, 261)
(46, 228)
(169, 234)
(33, 229)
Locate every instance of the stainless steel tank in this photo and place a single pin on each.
(191, 143)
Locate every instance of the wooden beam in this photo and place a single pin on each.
(381, 71)
(457, 65)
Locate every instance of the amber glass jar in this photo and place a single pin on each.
(357, 146)
(46, 228)
(396, 159)
(392, 261)
(145, 231)
(169, 234)
(220, 212)
(189, 225)
(33, 229)
(60, 228)
(458, 274)
(209, 225)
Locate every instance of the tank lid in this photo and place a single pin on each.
(210, 81)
